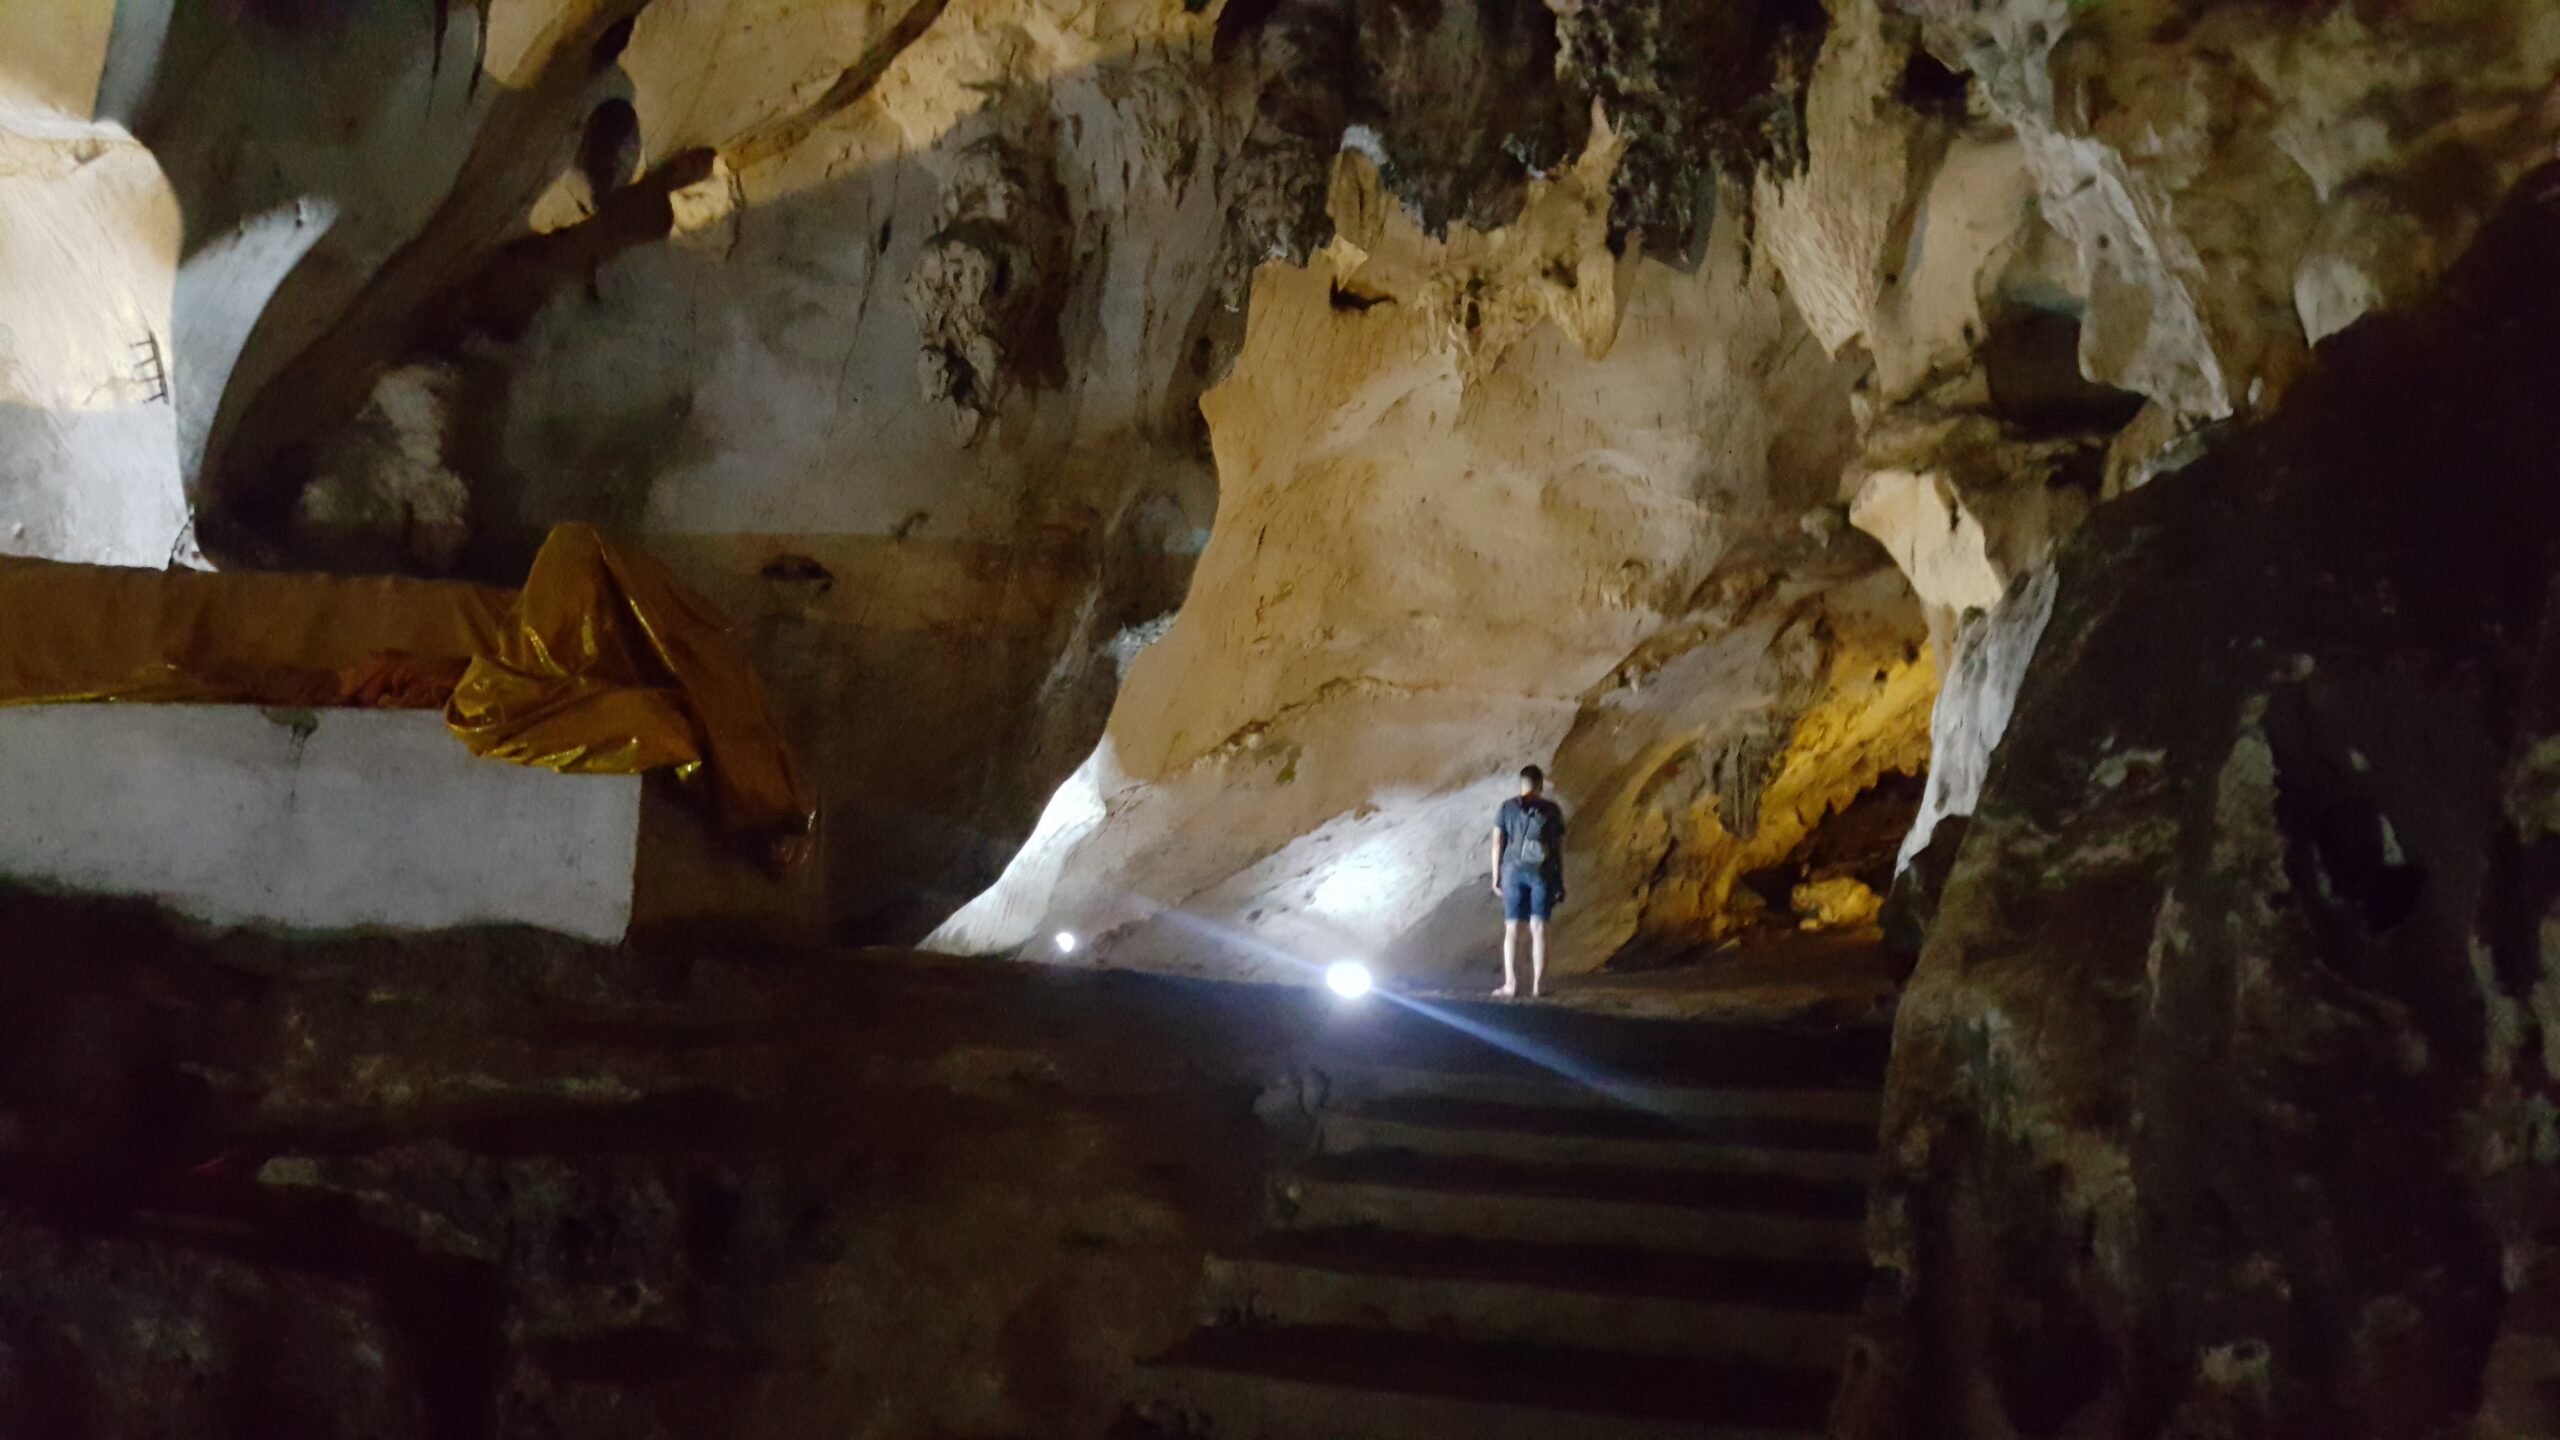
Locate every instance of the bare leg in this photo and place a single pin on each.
(1537, 959)
(1510, 947)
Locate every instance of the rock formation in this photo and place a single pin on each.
(891, 327)
(986, 290)
(1486, 499)
(2220, 1098)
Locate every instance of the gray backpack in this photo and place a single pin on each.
(1532, 849)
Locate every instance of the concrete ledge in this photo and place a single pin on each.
(310, 820)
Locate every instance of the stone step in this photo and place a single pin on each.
(1787, 1315)
(1850, 1115)
(1605, 1136)
(1746, 1216)
(1326, 1383)
(1811, 1197)
(1443, 1034)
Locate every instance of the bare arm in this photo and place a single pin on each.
(1497, 858)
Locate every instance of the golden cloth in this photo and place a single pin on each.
(602, 664)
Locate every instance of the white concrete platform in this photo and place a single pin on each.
(314, 820)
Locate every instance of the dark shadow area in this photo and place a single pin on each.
(2033, 360)
(565, 1178)
(2243, 898)
(495, 1184)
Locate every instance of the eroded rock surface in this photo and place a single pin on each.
(2220, 1095)
(987, 287)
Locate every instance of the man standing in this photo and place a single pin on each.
(1528, 873)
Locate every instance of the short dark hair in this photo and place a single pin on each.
(1536, 777)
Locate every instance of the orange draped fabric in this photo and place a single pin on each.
(602, 663)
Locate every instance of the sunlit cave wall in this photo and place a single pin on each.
(89, 240)
(1499, 497)
(182, 181)
(2037, 267)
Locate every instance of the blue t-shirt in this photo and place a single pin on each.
(1522, 817)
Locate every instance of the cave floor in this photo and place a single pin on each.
(1840, 977)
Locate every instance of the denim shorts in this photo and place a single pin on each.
(1526, 895)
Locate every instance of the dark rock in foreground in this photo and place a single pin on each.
(2220, 1102)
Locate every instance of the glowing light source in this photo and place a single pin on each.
(1348, 979)
(1067, 942)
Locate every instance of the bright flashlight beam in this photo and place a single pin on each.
(1545, 1057)
(1348, 979)
(1067, 942)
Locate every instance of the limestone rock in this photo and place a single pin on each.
(1839, 903)
(89, 239)
(1912, 903)
(1833, 228)
(1979, 687)
(1465, 522)
(1698, 92)
(2188, 160)
(2212, 1067)
(1927, 530)
(986, 289)
(2371, 250)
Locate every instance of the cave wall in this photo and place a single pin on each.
(2075, 242)
(916, 402)
(2047, 270)
(2220, 1097)
(891, 324)
(1485, 499)
(904, 368)
(88, 251)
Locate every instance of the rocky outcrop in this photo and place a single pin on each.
(1976, 694)
(2070, 237)
(2220, 1095)
(2190, 161)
